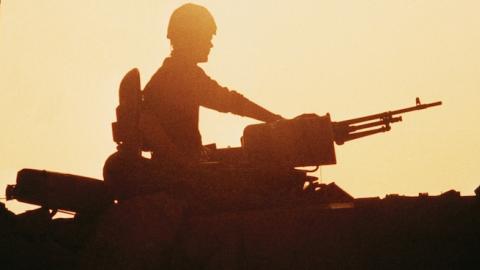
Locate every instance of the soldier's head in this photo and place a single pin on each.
(190, 31)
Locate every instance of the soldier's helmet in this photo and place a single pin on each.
(190, 22)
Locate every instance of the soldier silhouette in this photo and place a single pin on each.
(175, 92)
(165, 121)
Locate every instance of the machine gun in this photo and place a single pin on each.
(308, 140)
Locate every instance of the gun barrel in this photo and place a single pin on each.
(357, 135)
(354, 128)
(388, 114)
(360, 127)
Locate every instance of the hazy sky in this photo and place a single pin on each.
(61, 63)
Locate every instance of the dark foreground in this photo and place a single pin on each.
(397, 232)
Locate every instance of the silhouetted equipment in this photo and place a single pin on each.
(269, 152)
(125, 131)
(60, 191)
(306, 140)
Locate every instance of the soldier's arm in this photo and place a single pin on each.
(242, 106)
(220, 98)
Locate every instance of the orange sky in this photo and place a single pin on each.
(61, 63)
